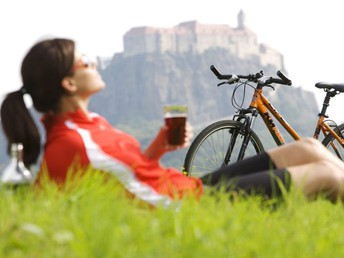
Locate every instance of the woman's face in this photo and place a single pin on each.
(86, 77)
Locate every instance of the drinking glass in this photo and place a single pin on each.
(175, 121)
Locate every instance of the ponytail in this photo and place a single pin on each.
(19, 126)
(43, 68)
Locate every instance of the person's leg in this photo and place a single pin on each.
(301, 152)
(259, 162)
(311, 179)
(267, 183)
(291, 154)
(324, 176)
(312, 168)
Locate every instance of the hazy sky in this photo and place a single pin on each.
(307, 33)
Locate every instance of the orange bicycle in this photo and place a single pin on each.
(228, 141)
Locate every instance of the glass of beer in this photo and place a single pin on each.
(175, 121)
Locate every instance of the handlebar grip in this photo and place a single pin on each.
(215, 71)
(284, 78)
(276, 80)
(218, 75)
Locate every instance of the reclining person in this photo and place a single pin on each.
(61, 82)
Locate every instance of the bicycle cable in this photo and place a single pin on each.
(234, 102)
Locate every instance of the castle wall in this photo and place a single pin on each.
(197, 38)
(270, 56)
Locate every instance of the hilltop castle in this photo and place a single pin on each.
(196, 38)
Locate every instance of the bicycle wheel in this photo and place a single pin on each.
(333, 145)
(208, 151)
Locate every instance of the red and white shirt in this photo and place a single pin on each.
(75, 137)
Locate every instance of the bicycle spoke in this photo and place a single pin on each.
(208, 152)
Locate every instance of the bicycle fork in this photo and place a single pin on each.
(245, 128)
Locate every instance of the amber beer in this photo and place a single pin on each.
(175, 121)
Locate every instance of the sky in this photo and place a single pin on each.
(309, 34)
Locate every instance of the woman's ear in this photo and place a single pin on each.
(69, 85)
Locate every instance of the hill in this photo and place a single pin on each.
(138, 87)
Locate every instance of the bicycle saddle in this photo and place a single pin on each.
(326, 85)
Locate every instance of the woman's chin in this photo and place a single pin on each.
(99, 88)
(101, 85)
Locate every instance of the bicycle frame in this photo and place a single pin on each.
(326, 129)
(235, 136)
(264, 108)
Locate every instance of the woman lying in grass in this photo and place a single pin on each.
(61, 81)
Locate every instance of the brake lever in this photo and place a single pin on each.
(270, 86)
(265, 82)
(221, 83)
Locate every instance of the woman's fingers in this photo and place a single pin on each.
(188, 134)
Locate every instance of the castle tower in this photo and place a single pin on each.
(241, 20)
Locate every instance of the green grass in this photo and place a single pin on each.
(92, 217)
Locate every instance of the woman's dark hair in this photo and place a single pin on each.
(42, 71)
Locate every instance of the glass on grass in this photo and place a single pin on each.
(175, 121)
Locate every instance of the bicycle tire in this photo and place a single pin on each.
(331, 143)
(209, 147)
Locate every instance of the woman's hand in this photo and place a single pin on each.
(160, 145)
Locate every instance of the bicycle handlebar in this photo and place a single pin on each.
(253, 77)
(283, 77)
(218, 75)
